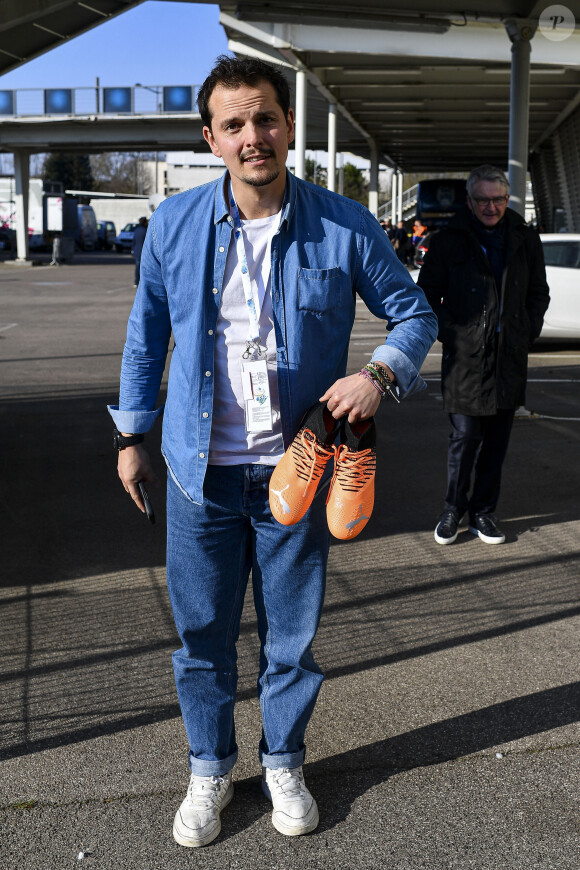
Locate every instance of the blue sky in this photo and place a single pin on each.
(157, 43)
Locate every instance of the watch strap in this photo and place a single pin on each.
(122, 441)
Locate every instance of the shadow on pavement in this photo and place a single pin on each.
(88, 602)
(366, 766)
(360, 769)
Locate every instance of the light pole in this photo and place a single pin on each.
(157, 92)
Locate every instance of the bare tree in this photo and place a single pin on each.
(121, 172)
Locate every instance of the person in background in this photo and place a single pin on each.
(388, 227)
(401, 242)
(419, 231)
(485, 278)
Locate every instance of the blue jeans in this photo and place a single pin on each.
(211, 549)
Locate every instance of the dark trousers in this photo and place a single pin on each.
(478, 443)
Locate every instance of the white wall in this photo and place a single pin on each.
(120, 211)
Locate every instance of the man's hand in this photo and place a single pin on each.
(134, 465)
(354, 396)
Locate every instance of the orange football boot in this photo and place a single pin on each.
(352, 490)
(296, 477)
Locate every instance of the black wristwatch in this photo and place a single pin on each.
(122, 441)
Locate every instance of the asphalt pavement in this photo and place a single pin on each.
(446, 734)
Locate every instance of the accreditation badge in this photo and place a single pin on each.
(256, 390)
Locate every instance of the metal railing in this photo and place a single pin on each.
(408, 204)
(136, 99)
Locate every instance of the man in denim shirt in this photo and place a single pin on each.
(307, 252)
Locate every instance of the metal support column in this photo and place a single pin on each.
(300, 146)
(21, 187)
(520, 34)
(331, 171)
(394, 183)
(400, 196)
(374, 180)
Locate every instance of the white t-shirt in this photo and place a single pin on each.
(230, 444)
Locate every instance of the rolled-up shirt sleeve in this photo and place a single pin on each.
(389, 292)
(145, 352)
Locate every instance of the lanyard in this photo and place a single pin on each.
(253, 340)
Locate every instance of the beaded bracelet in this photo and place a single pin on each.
(366, 374)
(378, 376)
(378, 373)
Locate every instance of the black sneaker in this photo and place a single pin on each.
(446, 530)
(483, 525)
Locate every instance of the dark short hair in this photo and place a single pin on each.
(232, 73)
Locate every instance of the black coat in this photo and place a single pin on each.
(484, 370)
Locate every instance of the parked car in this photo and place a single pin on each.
(124, 241)
(106, 235)
(7, 239)
(422, 247)
(562, 256)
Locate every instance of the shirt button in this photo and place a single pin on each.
(202, 455)
(208, 374)
(214, 290)
(210, 332)
(222, 249)
(205, 414)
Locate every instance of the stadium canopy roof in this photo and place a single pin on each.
(29, 28)
(428, 82)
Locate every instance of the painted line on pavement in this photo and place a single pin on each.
(529, 380)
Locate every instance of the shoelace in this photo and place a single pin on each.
(203, 792)
(353, 469)
(289, 784)
(316, 455)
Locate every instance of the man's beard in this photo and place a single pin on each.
(263, 180)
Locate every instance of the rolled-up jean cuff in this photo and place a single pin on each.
(202, 767)
(289, 760)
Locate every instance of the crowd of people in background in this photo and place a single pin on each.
(404, 242)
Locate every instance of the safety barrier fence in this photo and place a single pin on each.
(137, 99)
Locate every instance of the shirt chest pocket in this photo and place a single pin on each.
(321, 290)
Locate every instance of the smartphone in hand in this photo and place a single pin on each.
(146, 502)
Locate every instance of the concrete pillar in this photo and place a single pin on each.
(331, 172)
(374, 180)
(520, 33)
(300, 144)
(21, 186)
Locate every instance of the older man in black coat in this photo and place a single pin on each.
(485, 278)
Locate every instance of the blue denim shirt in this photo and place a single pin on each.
(327, 249)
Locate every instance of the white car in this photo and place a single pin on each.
(562, 256)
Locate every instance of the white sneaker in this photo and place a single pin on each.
(197, 821)
(295, 811)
